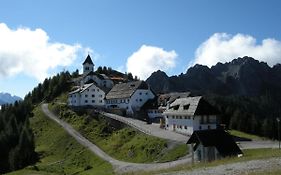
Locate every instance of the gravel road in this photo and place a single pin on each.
(150, 129)
(122, 167)
(119, 166)
(235, 168)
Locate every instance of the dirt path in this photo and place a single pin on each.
(235, 168)
(119, 166)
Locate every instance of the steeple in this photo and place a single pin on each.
(88, 60)
(88, 65)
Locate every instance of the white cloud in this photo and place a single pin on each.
(31, 52)
(222, 47)
(149, 59)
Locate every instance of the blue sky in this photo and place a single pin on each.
(136, 36)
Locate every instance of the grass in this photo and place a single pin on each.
(60, 153)
(122, 143)
(250, 154)
(245, 135)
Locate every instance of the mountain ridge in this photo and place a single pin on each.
(7, 98)
(242, 76)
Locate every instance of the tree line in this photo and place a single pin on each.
(16, 138)
(255, 115)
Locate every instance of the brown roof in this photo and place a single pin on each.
(171, 97)
(126, 90)
(88, 60)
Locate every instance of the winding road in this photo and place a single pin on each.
(123, 167)
(119, 166)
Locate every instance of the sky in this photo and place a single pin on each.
(41, 38)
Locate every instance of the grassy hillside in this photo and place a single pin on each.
(245, 135)
(60, 153)
(122, 143)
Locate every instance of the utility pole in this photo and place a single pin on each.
(278, 128)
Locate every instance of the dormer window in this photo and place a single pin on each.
(185, 107)
(176, 107)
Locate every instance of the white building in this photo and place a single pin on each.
(100, 79)
(186, 115)
(87, 95)
(155, 109)
(129, 96)
(89, 76)
(88, 65)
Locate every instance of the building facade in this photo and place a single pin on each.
(87, 95)
(186, 115)
(129, 96)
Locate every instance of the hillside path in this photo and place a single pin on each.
(119, 166)
(150, 129)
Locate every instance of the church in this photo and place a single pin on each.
(91, 88)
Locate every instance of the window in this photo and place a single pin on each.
(100, 101)
(87, 68)
(200, 127)
(201, 119)
(137, 100)
(146, 93)
(176, 107)
(185, 117)
(93, 101)
(209, 127)
(86, 95)
(185, 127)
(167, 117)
(93, 90)
(98, 90)
(180, 117)
(74, 95)
(140, 99)
(88, 90)
(185, 107)
(173, 117)
(100, 96)
(93, 95)
(140, 93)
(177, 117)
(86, 101)
(207, 119)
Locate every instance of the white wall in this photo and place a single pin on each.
(186, 124)
(74, 99)
(140, 97)
(87, 68)
(136, 101)
(93, 96)
(102, 83)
